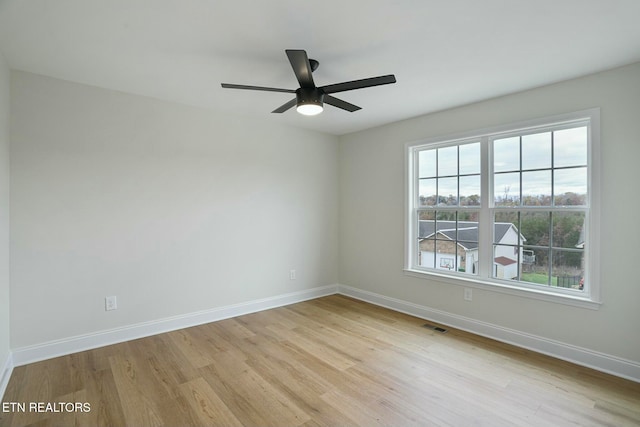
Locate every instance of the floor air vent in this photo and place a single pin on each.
(435, 328)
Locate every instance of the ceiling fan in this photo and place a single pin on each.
(309, 98)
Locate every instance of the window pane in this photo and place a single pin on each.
(535, 228)
(468, 231)
(570, 187)
(506, 233)
(506, 154)
(426, 248)
(567, 230)
(427, 164)
(535, 267)
(448, 191)
(528, 260)
(448, 161)
(467, 218)
(427, 192)
(536, 188)
(446, 255)
(506, 189)
(426, 225)
(427, 215)
(505, 262)
(468, 252)
(567, 271)
(570, 147)
(470, 190)
(446, 219)
(426, 253)
(505, 226)
(470, 158)
(536, 151)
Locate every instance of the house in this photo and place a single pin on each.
(127, 174)
(457, 247)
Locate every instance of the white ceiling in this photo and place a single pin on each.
(444, 53)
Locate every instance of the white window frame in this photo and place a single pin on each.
(591, 296)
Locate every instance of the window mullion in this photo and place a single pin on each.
(485, 237)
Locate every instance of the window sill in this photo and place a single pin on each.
(538, 294)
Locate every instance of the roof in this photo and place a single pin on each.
(467, 231)
(503, 260)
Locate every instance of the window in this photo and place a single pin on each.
(511, 208)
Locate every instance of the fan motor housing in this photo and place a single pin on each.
(311, 95)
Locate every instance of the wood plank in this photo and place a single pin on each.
(102, 394)
(206, 404)
(252, 399)
(198, 351)
(326, 354)
(137, 405)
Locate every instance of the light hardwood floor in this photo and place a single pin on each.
(333, 361)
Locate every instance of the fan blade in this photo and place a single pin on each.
(359, 84)
(268, 89)
(328, 99)
(285, 107)
(301, 67)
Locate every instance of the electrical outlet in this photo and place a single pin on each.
(292, 275)
(468, 294)
(110, 303)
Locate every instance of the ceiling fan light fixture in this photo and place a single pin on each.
(309, 109)
(309, 101)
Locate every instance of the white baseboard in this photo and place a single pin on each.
(581, 356)
(48, 350)
(5, 375)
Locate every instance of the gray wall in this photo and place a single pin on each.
(4, 213)
(170, 208)
(372, 214)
